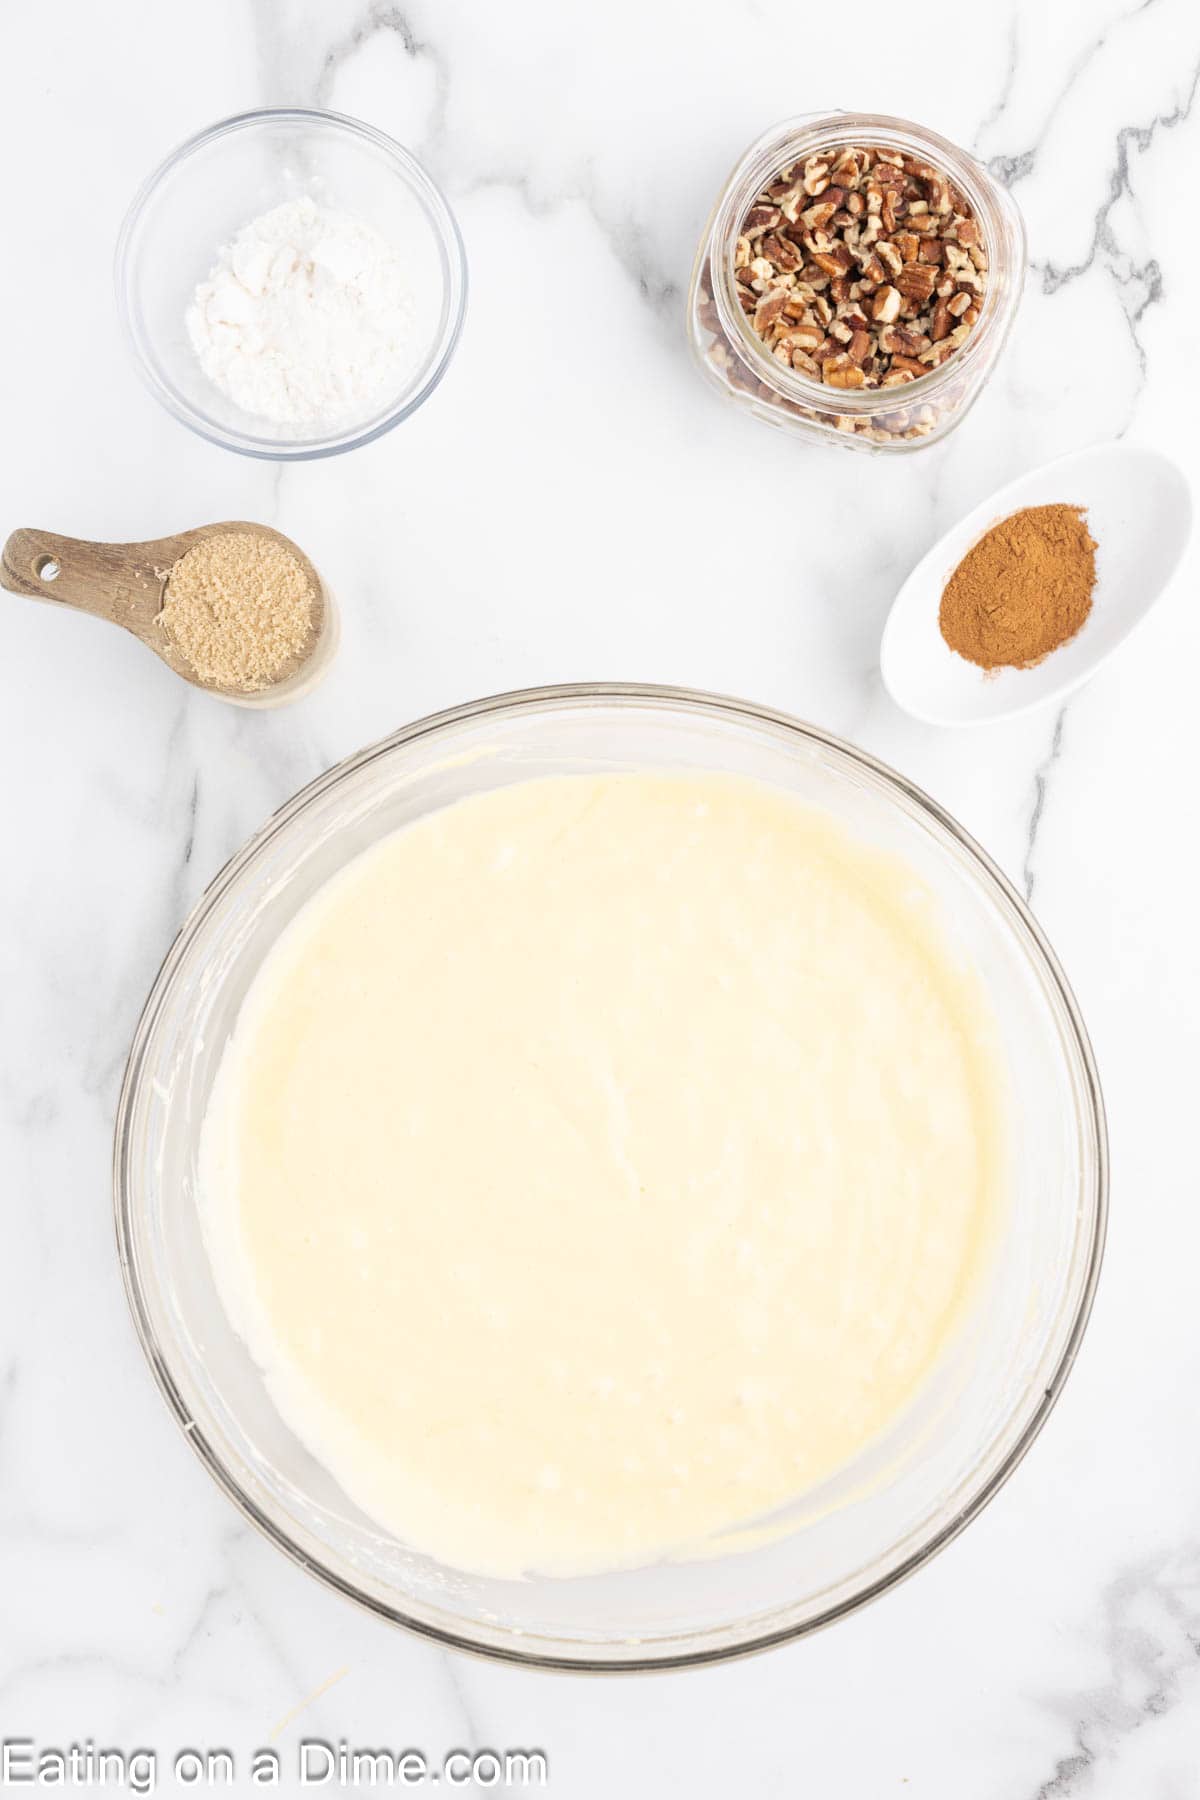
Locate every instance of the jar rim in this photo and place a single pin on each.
(782, 144)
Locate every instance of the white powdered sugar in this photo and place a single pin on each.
(307, 317)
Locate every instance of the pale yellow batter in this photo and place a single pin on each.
(602, 1162)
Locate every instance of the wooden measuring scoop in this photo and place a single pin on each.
(126, 584)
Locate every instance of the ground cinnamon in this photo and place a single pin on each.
(1024, 590)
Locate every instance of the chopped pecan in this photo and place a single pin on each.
(916, 281)
(847, 377)
(760, 219)
(818, 216)
(782, 252)
(864, 268)
(804, 337)
(769, 310)
(894, 340)
(848, 166)
(835, 261)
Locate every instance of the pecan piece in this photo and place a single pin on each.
(835, 261)
(818, 216)
(769, 310)
(782, 252)
(894, 340)
(916, 281)
(760, 219)
(804, 337)
(863, 267)
(847, 168)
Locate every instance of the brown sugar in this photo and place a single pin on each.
(239, 608)
(1023, 590)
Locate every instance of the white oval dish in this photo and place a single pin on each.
(1139, 509)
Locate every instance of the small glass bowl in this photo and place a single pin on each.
(215, 183)
(884, 420)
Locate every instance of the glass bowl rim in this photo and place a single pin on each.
(1091, 1229)
(442, 220)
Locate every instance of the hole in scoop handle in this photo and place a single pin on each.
(110, 581)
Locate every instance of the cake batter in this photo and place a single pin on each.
(601, 1162)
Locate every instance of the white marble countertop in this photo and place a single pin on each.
(594, 512)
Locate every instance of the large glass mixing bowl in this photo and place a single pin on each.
(881, 1517)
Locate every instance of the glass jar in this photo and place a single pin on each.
(885, 419)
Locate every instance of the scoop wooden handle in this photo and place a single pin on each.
(110, 581)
